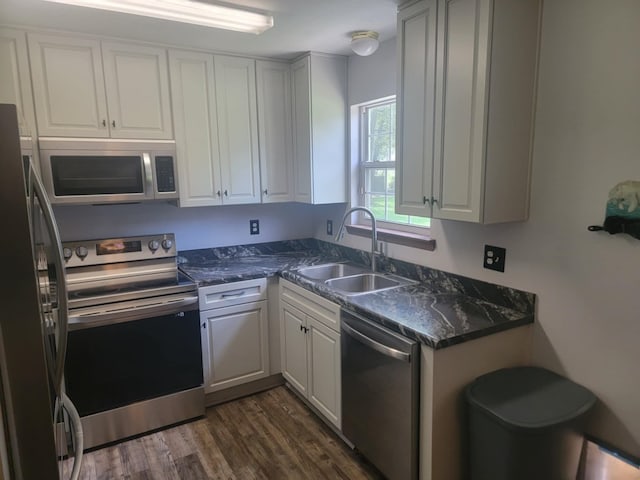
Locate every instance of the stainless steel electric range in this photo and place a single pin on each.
(134, 358)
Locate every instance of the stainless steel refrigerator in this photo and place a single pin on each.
(39, 424)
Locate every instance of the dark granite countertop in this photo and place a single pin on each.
(439, 310)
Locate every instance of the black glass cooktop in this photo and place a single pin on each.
(133, 290)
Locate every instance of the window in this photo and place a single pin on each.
(377, 163)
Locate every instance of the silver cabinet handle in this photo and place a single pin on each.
(104, 122)
(233, 295)
(266, 192)
(377, 346)
(226, 194)
(218, 193)
(113, 123)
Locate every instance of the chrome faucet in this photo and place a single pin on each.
(374, 235)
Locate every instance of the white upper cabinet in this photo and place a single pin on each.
(466, 108)
(319, 129)
(75, 97)
(68, 86)
(235, 85)
(216, 123)
(137, 84)
(15, 85)
(275, 131)
(196, 126)
(415, 100)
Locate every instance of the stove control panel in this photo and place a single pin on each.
(116, 250)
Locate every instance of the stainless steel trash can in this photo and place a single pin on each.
(526, 423)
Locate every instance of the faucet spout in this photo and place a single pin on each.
(374, 235)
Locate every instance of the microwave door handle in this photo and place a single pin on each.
(148, 176)
(36, 189)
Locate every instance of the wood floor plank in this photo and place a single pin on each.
(270, 435)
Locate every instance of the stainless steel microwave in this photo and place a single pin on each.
(96, 171)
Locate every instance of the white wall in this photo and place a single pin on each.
(587, 140)
(200, 227)
(373, 76)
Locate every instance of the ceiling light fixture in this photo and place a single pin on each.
(364, 43)
(185, 11)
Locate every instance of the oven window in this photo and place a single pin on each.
(115, 365)
(96, 175)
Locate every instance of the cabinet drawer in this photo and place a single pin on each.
(227, 294)
(320, 308)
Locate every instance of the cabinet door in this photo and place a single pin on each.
(274, 122)
(415, 100)
(319, 129)
(328, 83)
(68, 86)
(294, 347)
(301, 89)
(235, 80)
(15, 82)
(461, 102)
(324, 370)
(196, 127)
(137, 84)
(238, 345)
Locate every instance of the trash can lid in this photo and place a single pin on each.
(529, 397)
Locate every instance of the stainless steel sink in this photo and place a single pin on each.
(365, 283)
(329, 270)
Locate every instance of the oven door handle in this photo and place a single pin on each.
(79, 322)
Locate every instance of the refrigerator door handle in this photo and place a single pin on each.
(36, 190)
(64, 404)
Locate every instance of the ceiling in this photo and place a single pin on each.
(300, 25)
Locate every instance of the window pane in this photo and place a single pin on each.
(378, 188)
(375, 180)
(377, 204)
(379, 148)
(420, 221)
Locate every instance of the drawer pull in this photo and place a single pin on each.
(233, 295)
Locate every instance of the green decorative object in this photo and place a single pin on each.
(623, 210)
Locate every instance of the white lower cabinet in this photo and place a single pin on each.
(235, 339)
(310, 347)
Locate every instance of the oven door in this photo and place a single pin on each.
(120, 358)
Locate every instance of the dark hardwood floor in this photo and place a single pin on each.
(270, 435)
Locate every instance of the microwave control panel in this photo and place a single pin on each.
(165, 176)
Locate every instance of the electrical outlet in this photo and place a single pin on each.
(494, 258)
(254, 227)
(329, 227)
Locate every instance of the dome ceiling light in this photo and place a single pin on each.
(365, 42)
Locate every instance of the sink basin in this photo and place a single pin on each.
(364, 283)
(329, 270)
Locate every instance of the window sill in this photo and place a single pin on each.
(423, 242)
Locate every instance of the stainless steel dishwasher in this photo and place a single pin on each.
(380, 395)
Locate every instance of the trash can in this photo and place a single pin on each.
(526, 423)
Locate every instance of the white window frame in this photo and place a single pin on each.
(359, 168)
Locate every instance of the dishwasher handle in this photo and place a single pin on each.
(374, 344)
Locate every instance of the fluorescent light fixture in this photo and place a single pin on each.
(185, 11)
